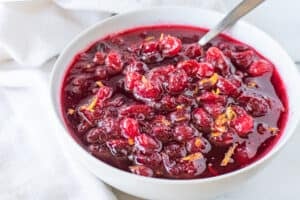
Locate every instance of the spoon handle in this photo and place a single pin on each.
(235, 14)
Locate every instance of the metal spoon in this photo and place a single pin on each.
(235, 14)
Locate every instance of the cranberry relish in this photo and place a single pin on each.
(153, 102)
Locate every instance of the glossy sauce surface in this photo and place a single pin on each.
(152, 102)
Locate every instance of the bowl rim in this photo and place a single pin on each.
(278, 146)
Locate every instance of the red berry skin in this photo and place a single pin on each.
(104, 93)
(216, 57)
(170, 46)
(114, 62)
(183, 132)
(147, 91)
(214, 109)
(198, 144)
(141, 170)
(180, 115)
(243, 124)
(136, 66)
(241, 154)
(150, 52)
(119, 147)
(209, 97)
(242, 59)
(175, 151)
(255, 105)
(205, 70)
(260, 67)
(137, 111)
(227, 87)
(177, 81)
(150, 160)
(129, 128)
(189, 66)
(193, 51)
(132, 79)
(202, 119)
(147, 144)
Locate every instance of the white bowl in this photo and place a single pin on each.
(153, 188)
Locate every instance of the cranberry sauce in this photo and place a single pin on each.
(151, 101)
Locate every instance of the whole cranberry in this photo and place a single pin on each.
(227, 87)
(170, 46)
(193, 50)
(210, 97)
(150, 52)
(216, 57)
(147, 90)
(205, 69)
(243, 58)
(175, 151)
(151, 160)
(202, 119)
(243, 124)
(129, 128)
(257, 106)
(114, 62)
(183, 132)
(260, 67)
(189, 66)
(136, 66)
(141, 170)
(146, 144)
(198, 144)
(178, 81)
(214, 109)
(139, 111)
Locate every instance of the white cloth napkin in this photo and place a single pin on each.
(32, 163)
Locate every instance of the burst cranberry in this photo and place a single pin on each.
(243, 124)
(136, 66)
(205, 70)
(209, 97)
(170, 46)
(189, 66)
(119, 147)
(183, 133)
(113, 62)
(151, 160)
(132, 79)
(260, 67)
(175, 151)
(214, 109)
(242, 59)
(168, 102)
(104, 93)
(138, 111)
(129, 128)
(101, 72)
(193, 50)
(202, 119)
(177, 81)
(147, 90)
(216, 57)
(150, 52)
(255, 105)
(226, 86)
(141, 170)
(198, 144)
(146, 144)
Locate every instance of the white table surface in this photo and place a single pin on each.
(279, 180)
